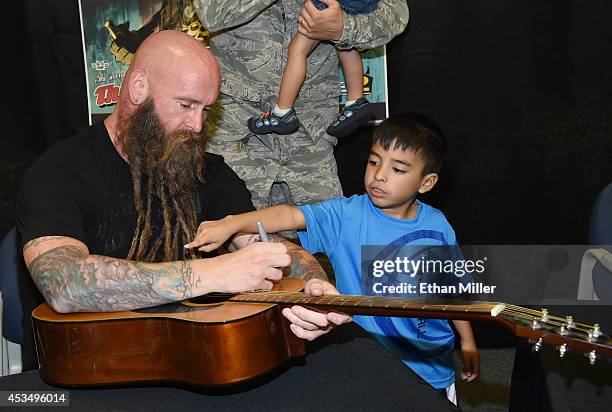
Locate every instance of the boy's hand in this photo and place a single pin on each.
(212, 234)
(471, 360)
(310, 324)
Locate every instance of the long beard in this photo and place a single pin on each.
(170, 165)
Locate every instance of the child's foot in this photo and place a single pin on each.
(269, 122)
(351, 117)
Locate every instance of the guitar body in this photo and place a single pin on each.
(208, 344)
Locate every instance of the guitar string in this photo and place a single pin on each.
(528, 313)
(531, 318)
(351, 299)
(511, 310)
(540, 314)
(290, 298)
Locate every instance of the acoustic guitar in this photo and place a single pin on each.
(213, 341)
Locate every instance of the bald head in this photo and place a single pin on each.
(170, 52)
(178, 74)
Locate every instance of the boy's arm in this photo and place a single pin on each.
(212, 234)
(217, 15)
(469, 350)
(364, 31)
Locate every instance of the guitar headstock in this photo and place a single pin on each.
(541, 327)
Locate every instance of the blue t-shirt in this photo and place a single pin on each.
(338, 228)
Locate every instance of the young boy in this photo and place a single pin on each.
(282, 119)
(405, 159)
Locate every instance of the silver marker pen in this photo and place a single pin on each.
(263, 236)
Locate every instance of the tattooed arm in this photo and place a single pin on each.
(213, 233)
(72, 280)
(310, 324)
(303, 264)
(305, 323)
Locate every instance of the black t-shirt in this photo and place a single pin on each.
(82, 188)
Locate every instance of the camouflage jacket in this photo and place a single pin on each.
(250, 39)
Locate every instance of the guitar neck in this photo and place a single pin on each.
(523, 322)
(380, 305)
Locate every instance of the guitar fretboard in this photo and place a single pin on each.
(358, 304)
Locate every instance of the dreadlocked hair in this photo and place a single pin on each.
(170, 166)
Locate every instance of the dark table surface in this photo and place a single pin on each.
(344, 370)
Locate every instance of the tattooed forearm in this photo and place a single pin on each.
(303, 264)
(178, 286)
(73, 281)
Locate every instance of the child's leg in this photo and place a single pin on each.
(353, 72)
(282, 119)
(295, 71)
(357, 110)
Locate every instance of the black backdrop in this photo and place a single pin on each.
(521, 88)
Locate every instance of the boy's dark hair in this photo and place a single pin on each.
(415, 132)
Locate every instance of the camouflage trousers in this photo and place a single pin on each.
(282, 169)
(293, 169)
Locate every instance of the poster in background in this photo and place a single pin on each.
(112, 30)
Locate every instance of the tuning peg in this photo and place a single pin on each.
(535, 324)
(563, 330)
(562, 350)
(570, 322)
(596, 330)
(594, 334)
(592, 357)
(544, 317)
(538, 345)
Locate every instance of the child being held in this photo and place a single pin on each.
(357, 110)
(405, 158)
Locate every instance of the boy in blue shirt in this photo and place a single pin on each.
(405, 158)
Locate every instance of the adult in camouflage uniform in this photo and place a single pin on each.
(250, 39)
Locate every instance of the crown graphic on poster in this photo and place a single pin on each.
(100, 65)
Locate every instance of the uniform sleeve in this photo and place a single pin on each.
(323, 226)
(367, 31)
(51, 202)
(225, 193)
(218, 15)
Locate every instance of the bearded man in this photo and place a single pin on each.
(103, 216)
